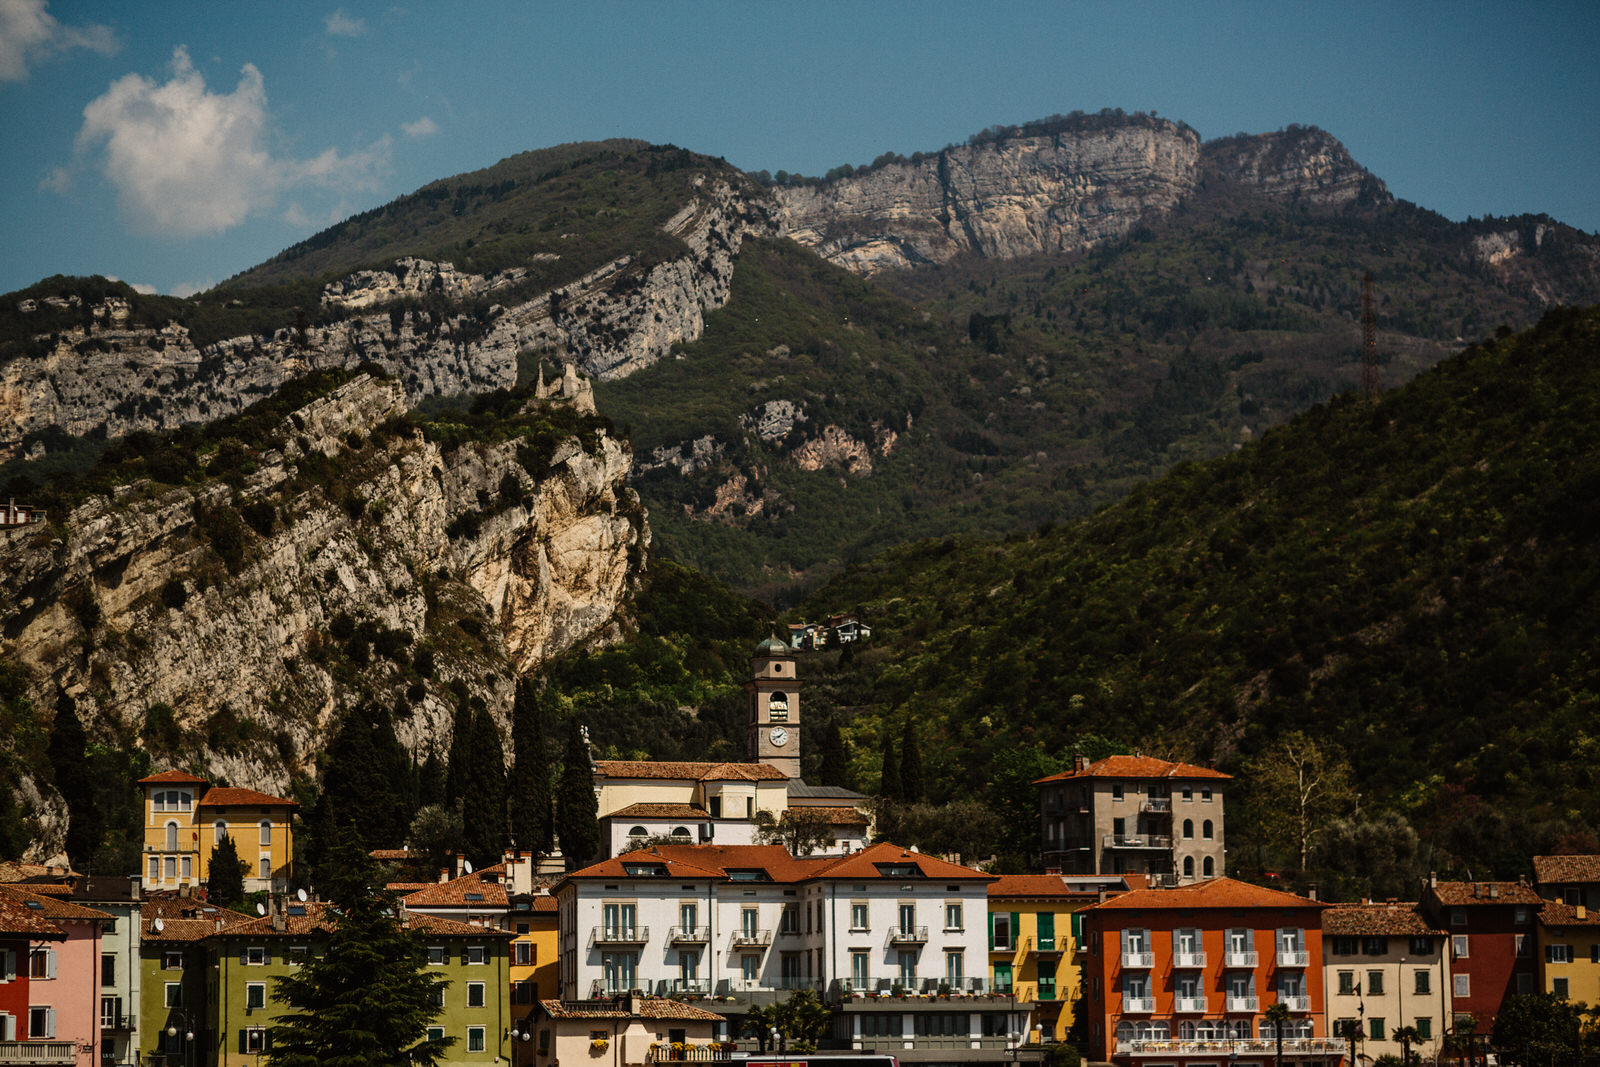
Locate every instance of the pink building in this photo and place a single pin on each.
(64, 976)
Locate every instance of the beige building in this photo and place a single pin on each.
(1386, 967)
(1134, 815)
(628, 1030)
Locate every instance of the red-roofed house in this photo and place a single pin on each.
(186, 818)
(1493, 935)
(22, 927)
(1184, 976)
(1134, 815)
(63, 974)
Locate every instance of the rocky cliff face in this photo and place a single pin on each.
(616, 319)
(235, 606)
(1064, 191)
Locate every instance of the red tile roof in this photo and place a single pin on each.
(660, 856)
(52, 907)
(453, 894)
(1555, 913)
(183, 918)
(837, 816)
(1389, 919)
(437, 926)
(1137, 767)
(19, 920)
(864, 864)
(1464, 894)
(1215, 893)
(220, 797)
(698, 772)
(1558, 870)
(1035, 887)
(173, 777)
(659, 811)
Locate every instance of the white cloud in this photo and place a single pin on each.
(186, 161)
(29, 34)
(59, 180)
(339, 24)
(423, 127)
(191, 288)
(138, 287)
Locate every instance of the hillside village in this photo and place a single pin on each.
(692, 930)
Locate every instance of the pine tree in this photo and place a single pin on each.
(889, 783)
(911, 783)
(69, 759)
(834, 768)
(484, 799)
(577, 809)
(532, 814)
(369, 999)
(225, 875)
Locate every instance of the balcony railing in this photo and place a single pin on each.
(699, 1054)
(1156, 804)
(117, 1022)
(31, 1052)
(620, 935)
(1293, 957)
(1292, 1046)
(1189, 1005)
(918, 987)
(678, 987)
(600, 989)
(1132, 1005)
(1137, 958)
(1243, 1003)
(1239, 958)
(1296, 1004)
(751, 938)
(1188, 960)
(1137, 841)
(689, 935)
(908, 935)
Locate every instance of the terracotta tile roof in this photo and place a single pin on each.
(1389, 919)
(698, 772)
(838, 816)
(545, 902)
(1557, 870)
(648, 1008)
(183, 918)
(174, 777)
(453, 894)
(1555, 913)
(391, 855)
(864, 864)
(219, 797)
(1215, 893)
(1035, 887)
(436, 926)
(403, 888)
(1137, 767)
(664, 856)
(37, 874)
(19, 920)
(659, 811)
(319, 918)
(52, 907)
(1464, 894)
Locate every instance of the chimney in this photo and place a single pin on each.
(1433, 879)
(1583, 913)
(1311, 891)
(1494, 890)
(1052, 870)
(1080, 763)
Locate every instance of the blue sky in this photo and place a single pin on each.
(173, 144)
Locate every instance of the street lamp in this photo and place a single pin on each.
(174, 1017)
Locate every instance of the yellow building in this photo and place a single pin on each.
(186, 818)
(535, 965)
(1569, 951)
(1033, 936)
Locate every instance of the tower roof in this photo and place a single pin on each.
(774, 647)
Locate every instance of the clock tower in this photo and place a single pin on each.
(774, 707)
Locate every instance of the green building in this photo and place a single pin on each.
(174, 977)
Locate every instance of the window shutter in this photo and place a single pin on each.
(8, 965)
(1250, 944)
(991, 931)
(1016, 929)
(244, 956)
(50, 972)
(1549, 953)
(1124, 935)
(50, 1016)
(244, 1040)
(267, 954)
(266, 1039)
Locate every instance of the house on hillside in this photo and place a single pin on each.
(186, 818)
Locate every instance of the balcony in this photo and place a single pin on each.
(908, 935)
(1250, 1004)
(1137, 958)
(665, 1053)
(1132, 1005)
(1188, 960)
(118, 1023)
(1238, 957)
(1298, 1005)
(600, 989)
(1189, 1006)
(751, 938)
(1293, 957)
(31, 1052)
(1157, 805)
(1223, 1048)
(1160, 841)
(620, 935)
(682, 987)
(689, 935)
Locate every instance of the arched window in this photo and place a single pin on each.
(219, 830)
(266, 831)
(1188, 828)
(637, 831)
(266, 867)
(1186, 1031)
(172, 837)
(681, 831)
(1205, 830)
(1208, 867)
(1188, 866)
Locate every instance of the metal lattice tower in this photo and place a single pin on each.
(1369, 342)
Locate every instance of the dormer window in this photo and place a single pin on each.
(644, 870)
(899, 870)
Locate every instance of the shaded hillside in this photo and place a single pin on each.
(1412, 580)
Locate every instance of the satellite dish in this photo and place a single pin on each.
(159, 925)
(466, 866)
(301, 893)
(261, 909)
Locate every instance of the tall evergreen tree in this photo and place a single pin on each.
(532, 811)
(484, 799)
(577, 808)
(366, 785)
(834, 768)
(369, 999)
(459, 768)
(225, 875)
(431, 781)
(912, 786)
(889, 782)
(69, 759)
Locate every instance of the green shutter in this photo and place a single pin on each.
(991, 931)
(1047, 931)
(1077, 927)
(1016, 930)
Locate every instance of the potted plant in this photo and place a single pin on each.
(599, 1045)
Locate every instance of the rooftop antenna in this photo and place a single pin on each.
(1369, 342)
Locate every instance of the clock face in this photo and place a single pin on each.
(779, 736)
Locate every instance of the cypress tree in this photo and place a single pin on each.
(532, 814)
(430, 781)
(459, 768)
(834, 769)
(225, 876)
(367, 1000)
(911, 784)
(577, 809)
(484, 800)
(889, 787)
(69, 759)
(366, 784)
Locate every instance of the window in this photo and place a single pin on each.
(524, 991)
(436, 955)
(154, 872)
(475, 954)
(186, 867)
(174, 992)
(255, 955)
(954, 967)
(253, 1039)
(860, 963)
(1458, 916)
(1002, 929)
(110, 1012)
(942, 1024)
(299, 954)
(41, 1022)
(1205, 795)
(1208, 867)
(875, 1024)
(858, 915)
(42, 963)
(790, 921)
(1047, 979)
(1524, 949)
(1188, 829)
(1116, 791)
(172, 837)
(1375, 983)
(475, 1039)
(1374, 946)
(474, 994)
(1463, 985)
(265, 828)
(1558, 986)
(1188, 866)
(170, 867)
(1558, 953)
(1347, 983)
(750, 968)
(435, 1033)
(255, 995)
(1424, 1029)
(1424, 984)
(1422, 946)
(952, 917)
(265, 869)
(1459, 947)
(1375, 1028)
(908, 918)
(908, 966)
(1206, 831)
(1188, 793)
(525, 953)
(171, 959)
(1344, 946)
(1002, 978)
(1523, 915)
(108, 968)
